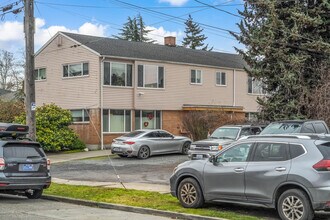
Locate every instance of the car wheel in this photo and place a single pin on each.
(190, 194)
(185, 148)
(144, 152)
(294, 204)
(34, 194)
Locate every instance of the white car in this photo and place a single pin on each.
(145, 143)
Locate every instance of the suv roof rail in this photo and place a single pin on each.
(13, 130)
(296, 136)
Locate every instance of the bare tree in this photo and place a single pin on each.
(10, 71)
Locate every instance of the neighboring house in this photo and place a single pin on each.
(7, 95)
(125, 85)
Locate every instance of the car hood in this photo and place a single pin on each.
(210, 142)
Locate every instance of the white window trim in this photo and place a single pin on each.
(83, 116)
(161, 118)
(216, 83)
(38, 74)
(125, 75)
(82, 70)
(195, 83)
(144, 76)
(109, 121)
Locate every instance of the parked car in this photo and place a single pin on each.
(296, 126)
(220, 138)
(290, 173)
(145, 143)
(24, 167)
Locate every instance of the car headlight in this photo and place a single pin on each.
(216, 147)
(192, 147)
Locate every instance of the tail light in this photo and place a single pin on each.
(48, 164)
(129, 142)
(323, 165)
(2, 164)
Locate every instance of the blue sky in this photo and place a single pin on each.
(106, 17)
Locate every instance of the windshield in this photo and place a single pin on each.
(133, 134)
(282, 128)
(225, 133)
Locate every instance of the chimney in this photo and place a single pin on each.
(169, 41)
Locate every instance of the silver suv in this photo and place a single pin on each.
(289, 173)
(24, 167)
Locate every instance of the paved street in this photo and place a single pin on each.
(21, 208)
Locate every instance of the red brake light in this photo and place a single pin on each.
(2, 164)
(129, 142)
(323, 165)
(48, 164)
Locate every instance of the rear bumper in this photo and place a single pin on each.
(126, 150)
(24, 183)
(321, 198)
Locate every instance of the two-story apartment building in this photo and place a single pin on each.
(114, 86)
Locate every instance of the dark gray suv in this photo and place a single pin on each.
(290, 173)
(24, 167)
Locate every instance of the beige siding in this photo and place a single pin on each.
(248, 101)
(69, 93)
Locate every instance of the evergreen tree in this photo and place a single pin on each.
(194, 38)
(134, 30)
(286, 42)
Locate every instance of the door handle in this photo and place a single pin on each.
(280, 169)
(239, 170)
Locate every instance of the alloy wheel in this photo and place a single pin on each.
(188, 193)
(144, 152)
(293, 208)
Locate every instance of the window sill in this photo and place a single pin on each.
(220, 85)
(255, 94)
(80, 122)
(118, 87)
(40, 80)
(107, 132)
(75, 77)
(147, 88)
(196, 84)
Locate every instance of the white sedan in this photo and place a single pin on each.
(145, 143)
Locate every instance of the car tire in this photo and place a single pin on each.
(185, 148)
(144, 152)
(190, 193)
(294, 204)
(34, 194)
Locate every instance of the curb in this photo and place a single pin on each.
(174, 215)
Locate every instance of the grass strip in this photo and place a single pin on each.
(137, 198)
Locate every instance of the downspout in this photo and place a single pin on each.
(234, 87)
(101, 100)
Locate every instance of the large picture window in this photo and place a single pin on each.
(74, 70)
(196, 77)
(255, 86)
(40, 74)
(147, 119)
(117, 74)
(150, 76)
(116, 120)
(80, 115)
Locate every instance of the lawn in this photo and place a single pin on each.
(137, 198)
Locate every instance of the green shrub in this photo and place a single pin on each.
(53, 132)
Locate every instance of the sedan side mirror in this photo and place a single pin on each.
(213, 159)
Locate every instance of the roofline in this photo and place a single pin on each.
(170, 62)
(62, 34)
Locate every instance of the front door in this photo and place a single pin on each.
(225, 178)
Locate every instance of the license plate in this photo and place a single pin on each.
(117, 149)
(27, 167)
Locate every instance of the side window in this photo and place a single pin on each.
(152, 135)
(296, 150)
(271, 152)
(307, 128)
(320, 128)
(245, 132)
(255, 131)
(238, 153)
(164, 134)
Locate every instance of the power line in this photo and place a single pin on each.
(211, 6)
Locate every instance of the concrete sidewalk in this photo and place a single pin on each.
(62, 157)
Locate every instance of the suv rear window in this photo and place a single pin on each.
(282, 128)
(22, 151)
(325, 150)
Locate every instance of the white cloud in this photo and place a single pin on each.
(174, 2)
(13, 39)
(158, 34)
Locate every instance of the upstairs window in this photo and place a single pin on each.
(40, 74)
(221, 79)
(150, 76)
(75, 70)
(117, 74)
(196, 77)
(81, 115)
(255, 86)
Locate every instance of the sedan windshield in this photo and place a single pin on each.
(282, 128)
(225, 133)
(133, 134)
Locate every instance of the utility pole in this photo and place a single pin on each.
(29, 68)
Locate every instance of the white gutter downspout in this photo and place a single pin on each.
(101, 100)
(234, 87)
